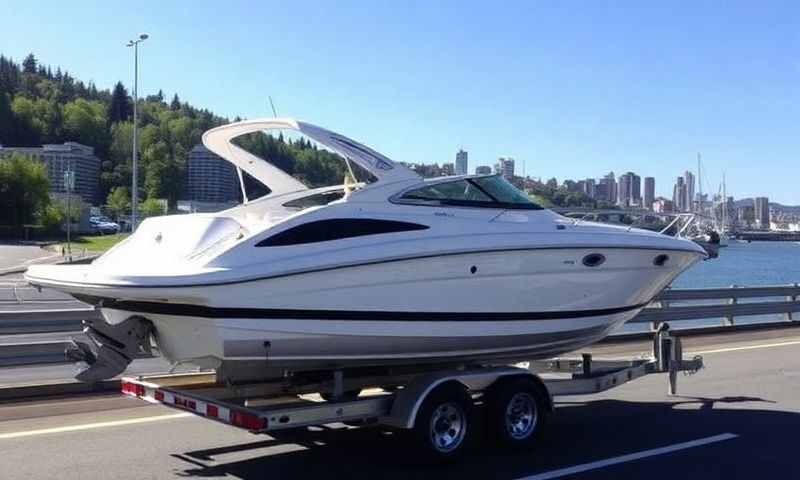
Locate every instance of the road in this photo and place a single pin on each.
(738, 418)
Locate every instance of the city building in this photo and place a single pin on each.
(505, 167)
(649, 192)
(68, 156)
(209, 178)
(761, 209)
(746, 215)
(624, 190)
(609, 188)
(448, 169)
(483, 170)
(663, 205)
(589, 187)
(461, 163)
(679, 195)
(630, 190)
(688, 202)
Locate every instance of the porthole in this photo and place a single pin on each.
(660, 260)
(594, 259)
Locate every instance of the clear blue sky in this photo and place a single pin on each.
(575, 89)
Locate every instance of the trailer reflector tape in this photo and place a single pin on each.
(212, 411)
(247, 420)
(185, 403)
(159, 395)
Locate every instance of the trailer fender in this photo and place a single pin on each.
(408, 400)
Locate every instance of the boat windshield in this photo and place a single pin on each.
(488, 192)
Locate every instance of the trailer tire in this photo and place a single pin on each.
(517, 409)
(445, 424)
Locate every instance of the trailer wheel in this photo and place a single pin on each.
(517, 410)
(444, 425)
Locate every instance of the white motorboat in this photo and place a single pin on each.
(399, 271)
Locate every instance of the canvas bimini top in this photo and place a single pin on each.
(220, 141)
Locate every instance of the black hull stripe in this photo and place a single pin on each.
(355, 315)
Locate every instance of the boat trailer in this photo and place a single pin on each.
(435, 406)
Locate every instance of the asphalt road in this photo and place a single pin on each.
(738, 418)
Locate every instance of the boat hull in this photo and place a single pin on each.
(530, 304)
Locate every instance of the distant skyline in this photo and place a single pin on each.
(572, 89)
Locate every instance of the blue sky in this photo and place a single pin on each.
(573, 88)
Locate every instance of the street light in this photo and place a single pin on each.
(134, 190)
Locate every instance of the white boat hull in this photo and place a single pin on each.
(547, 303)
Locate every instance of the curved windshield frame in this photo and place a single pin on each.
(491, 191)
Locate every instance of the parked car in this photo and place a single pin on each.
(103, 225)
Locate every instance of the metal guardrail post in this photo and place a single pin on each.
(791, 298)
(728, 320)
(662, 303)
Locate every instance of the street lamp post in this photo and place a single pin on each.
(134, 189)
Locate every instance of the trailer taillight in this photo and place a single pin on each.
(247, 420)
(212, 411)
(159, 395)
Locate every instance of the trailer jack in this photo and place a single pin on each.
(111, 347)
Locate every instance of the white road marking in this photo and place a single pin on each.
(91, 426)
(629, 457)
(748, 347)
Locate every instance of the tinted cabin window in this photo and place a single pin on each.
(335, 229)
(488, 192)
(316, 200)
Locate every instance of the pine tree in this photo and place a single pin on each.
(176, 103)
(29, 64)
(120, 108)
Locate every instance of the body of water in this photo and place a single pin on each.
(746, 264)
(742, 264)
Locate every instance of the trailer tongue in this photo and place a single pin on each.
(438, 406)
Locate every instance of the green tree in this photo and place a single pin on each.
(119, 201)
(85, 122)
(24, 189)
(152, 207)
(120, 108)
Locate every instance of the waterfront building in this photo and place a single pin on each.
(761, 209)
(448, 169)
(663, 205)
(483, 170)
(68, 156)
(505, 167)
(746, 215)
(589, 187)
(688, 202)
(624, 192)
(679, 195)
(461, 163)
(209, 178)
(630, 190)
(649, 192)
(610, 188)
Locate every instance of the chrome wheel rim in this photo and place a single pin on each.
(448, 427)
(521, 416)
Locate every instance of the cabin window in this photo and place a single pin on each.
(336, 229)
(491, 191)
(316, 200)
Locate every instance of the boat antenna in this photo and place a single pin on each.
(272, 105)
